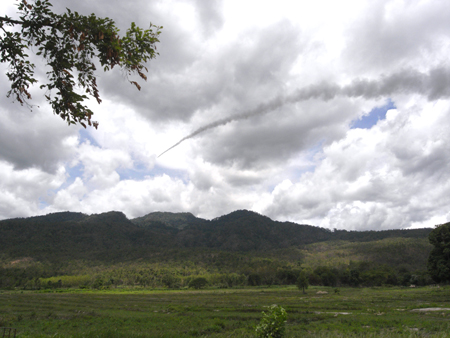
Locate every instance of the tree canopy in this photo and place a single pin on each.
(302, 281)
(439, 259)
(71, 45)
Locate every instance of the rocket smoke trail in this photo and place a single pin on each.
(261, 109)
(434, 85)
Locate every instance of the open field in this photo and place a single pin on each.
(352, 312)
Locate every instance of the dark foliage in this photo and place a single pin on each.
(171, 250)
(198, 283)
(439, 260)
(111, 236)
(170, 219)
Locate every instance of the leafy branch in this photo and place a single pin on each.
(70, 43)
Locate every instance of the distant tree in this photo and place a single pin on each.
(287, 276)
(314, 279)
(351, 277)
(327, 275)
(70, 43)
(97, 283)
(170, 281)
(302, 281)
(198, 283)
(439, 259)
(374, 277)
(254, 279)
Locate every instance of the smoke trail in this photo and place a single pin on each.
(261, 109)
(434, 85)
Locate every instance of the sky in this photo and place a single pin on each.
(329, 113)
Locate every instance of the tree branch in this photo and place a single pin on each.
(6, 19)
(68, 43)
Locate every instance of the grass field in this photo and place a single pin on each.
(350, 312)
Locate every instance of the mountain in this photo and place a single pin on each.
(244, 230)
(177, 220)
(69, 235)
(111, 236)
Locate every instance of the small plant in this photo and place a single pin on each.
(272, 323)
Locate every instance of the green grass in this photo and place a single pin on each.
(353, 312)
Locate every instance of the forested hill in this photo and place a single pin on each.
(111, 235)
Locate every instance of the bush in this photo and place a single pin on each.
(198, 283)
(254, 279)
(272, 323)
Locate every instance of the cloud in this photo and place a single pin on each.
(35, 138)
(134, 198)
(265, 96)
(375, 178)
(388, 34)
(210, 16)
(23, 192)
(435, 84)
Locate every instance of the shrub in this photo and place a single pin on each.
(272, 323)
(198, 283)
(254, 279)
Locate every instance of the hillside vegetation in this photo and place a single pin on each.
(171, 250)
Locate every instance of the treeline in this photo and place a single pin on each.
(253, 272)
(362, 274)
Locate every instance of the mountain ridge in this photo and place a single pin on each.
(112, 235)
(177, 220)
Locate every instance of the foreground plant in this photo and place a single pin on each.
(272, 323)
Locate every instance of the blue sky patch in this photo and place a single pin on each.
(73, 173)
(140, 171)
(375, 115)
(42, 203)
(85, 135)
